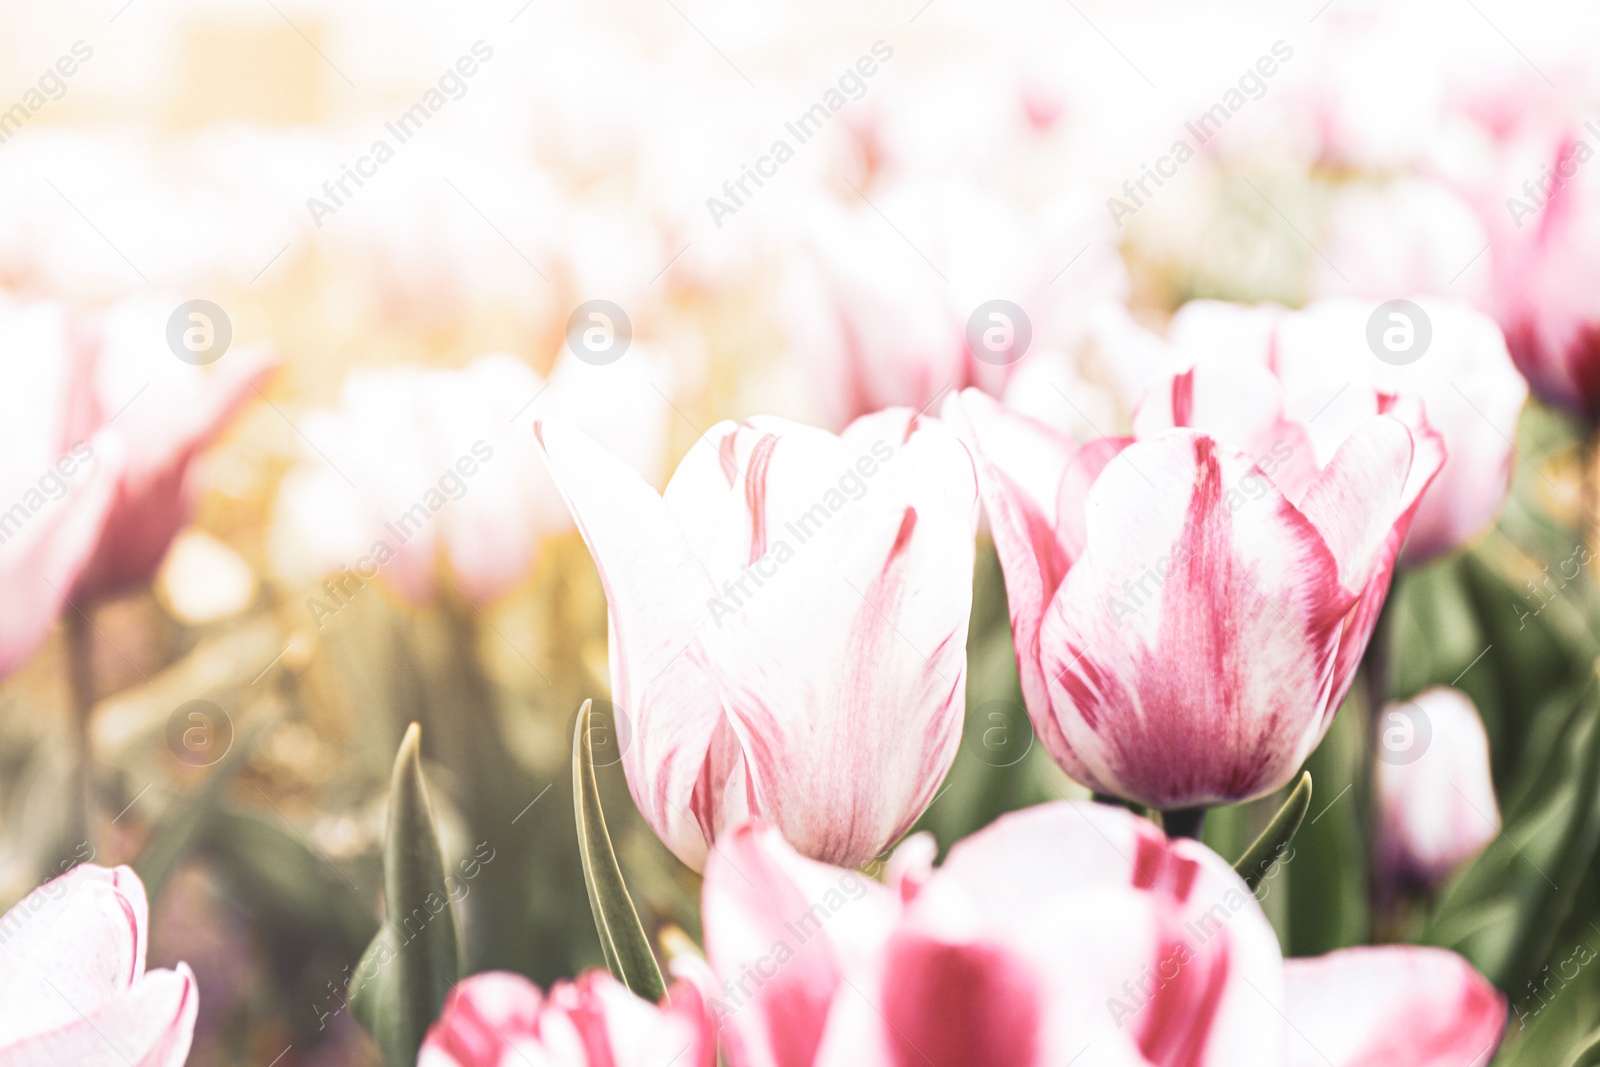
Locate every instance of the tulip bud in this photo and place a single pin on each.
(788, 625)
(1189, 607)
(1436, 799)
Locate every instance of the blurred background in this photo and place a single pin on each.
(399, 219)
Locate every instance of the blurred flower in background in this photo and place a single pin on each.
(1329, 358)
(1438, 809)
(419, 467)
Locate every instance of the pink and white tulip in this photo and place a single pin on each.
(1543, 256)
(874, 324)
(1468, 389)
(419, 466)
(1412, 237)
(788, 624)
(1189, 607)
(73, 984)
(165, 413)
(1436, 810)
(499, 1019)
(101, 426)
(57, 491)
(1060, 929)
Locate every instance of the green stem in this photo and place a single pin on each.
(1183, 822)
(80, 680)
(1589, 517)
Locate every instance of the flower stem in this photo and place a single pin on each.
(1589, 515)
(1183, 822)
(80, 680)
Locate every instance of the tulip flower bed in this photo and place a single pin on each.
(800, 535)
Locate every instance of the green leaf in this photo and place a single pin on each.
(1326, 885)
(1266, 848)
(1505, 910)
(414, 960)
(622, 937)
(1587, 1054)
(181, 826)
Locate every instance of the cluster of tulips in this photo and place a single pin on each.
(788, 629)
(1191, 598)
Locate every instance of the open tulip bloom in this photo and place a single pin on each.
(1189, 605)
(1066, 933)
(499, 1019)
(1464, 379)
(788, 624)
(73, 988)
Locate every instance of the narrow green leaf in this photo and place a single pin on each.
(1586, 1054)
(181, 826)
(1505, 910)
(622, 937)
(1265, 850)
(415, 958)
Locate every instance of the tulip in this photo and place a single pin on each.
(1436, 799)
(1542, 255)
(56, 492)
(101, 430)
(788, 624)
(1058, 929)
(1413, 236)
(433, 471)
(1464, 380)
(1188, 608)
(498, 1019)
(73, 985)
(875, 325)
(164, 413)
(1093, 388)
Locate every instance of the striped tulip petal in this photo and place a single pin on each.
(788, 624)
(73, 985)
